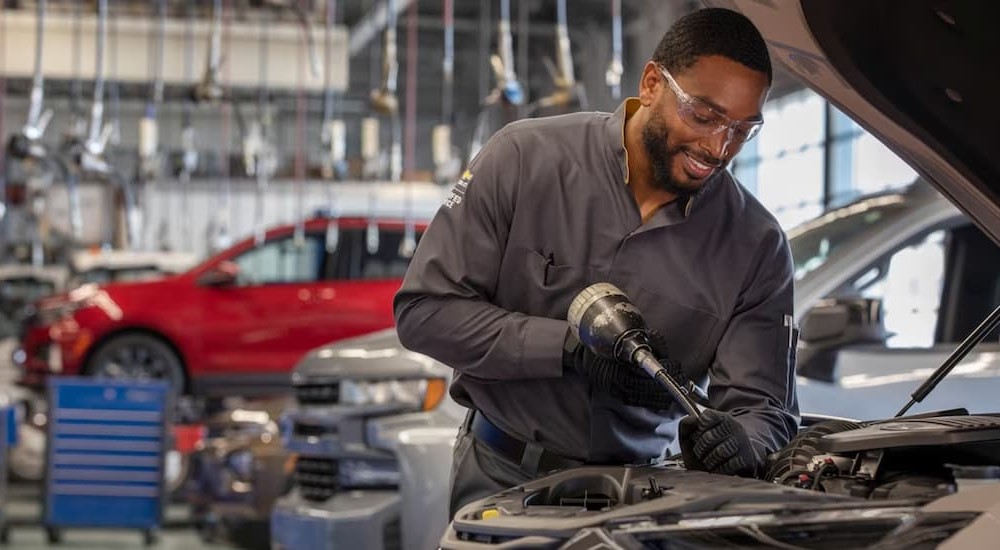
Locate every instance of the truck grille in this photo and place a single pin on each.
(316, 478)
(318, 394)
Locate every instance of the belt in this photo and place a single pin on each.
(531, 457)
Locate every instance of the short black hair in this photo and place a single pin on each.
(713, 31)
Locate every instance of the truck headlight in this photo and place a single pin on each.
(416, 394)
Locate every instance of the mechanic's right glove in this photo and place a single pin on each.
(628, 383)
(717, 443)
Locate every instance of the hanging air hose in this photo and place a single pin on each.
(371, 143)
(92, 157)
(300, 149)
(479, 132)
(508, 94)
(408, 245)
(446, 163)
(302, 15)
(384, 101)
(220, 238)
(78, 124)
(209, 89)
(567, 79)
(567, 90)
(524, 8)
(256, 146)
(390, 86)
(334, 134)
(189, 150)
(38, 120)
(27, 143)
(189, 153)
(98, 135)
(77, 127)
(114, 87)
(148, 146)
(508, 86)
(613, 77)
(217, 229)
(132, 214)
(411, 87)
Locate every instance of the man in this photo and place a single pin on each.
(639, 198)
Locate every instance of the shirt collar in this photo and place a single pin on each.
(618, 153)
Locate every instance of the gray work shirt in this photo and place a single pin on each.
(544, 211)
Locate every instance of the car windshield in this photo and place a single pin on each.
(813, 242)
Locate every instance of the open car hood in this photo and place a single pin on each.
(920, 75)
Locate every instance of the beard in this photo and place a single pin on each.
(661, 156)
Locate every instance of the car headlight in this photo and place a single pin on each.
(241, 463)
(414, 394)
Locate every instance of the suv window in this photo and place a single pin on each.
(813, 242)
(353, 261)
(936, 289)
(282, 261)
(909, 283)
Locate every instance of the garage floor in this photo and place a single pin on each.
(24, 509)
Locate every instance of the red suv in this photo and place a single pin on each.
(235, 324)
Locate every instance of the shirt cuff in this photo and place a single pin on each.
(542, 348)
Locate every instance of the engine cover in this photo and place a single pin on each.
(914, 432)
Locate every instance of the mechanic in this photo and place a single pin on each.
(639, 198)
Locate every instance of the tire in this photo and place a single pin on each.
(137, 356)
(802, 448)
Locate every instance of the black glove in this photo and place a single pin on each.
(717, 443)
(626, 382)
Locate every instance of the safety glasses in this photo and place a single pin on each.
(705, 120)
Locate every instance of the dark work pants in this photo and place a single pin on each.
(478, 472)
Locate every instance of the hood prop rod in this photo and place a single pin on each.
(991, 322)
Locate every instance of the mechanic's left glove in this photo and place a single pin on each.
(623, 381)
(718, 443)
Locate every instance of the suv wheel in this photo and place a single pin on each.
(137, 356)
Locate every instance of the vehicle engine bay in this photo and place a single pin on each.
(837, 484)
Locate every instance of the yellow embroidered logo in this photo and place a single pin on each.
(458, 192)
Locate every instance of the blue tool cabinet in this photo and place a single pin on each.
(106, 445)
(8, 437)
